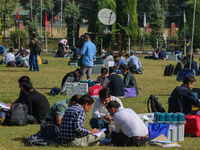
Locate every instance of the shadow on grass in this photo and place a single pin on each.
(15, 70)
(20, 139)
(44, 88)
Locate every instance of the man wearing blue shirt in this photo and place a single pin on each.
(88, 52)
(2, 50)
(119, 61)
(134, 63)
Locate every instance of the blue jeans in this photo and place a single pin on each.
(33, 62)
(97, 123)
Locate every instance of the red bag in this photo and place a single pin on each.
(94, 90)
(192, 125)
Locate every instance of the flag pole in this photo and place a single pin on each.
(45, 30)
(184, 20)
(144, 30)
(129, 40)
(192, 35)
(41, 20)
(73, 25)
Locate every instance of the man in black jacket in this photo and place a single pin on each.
(182, 97)
(38, 105)
(75, 74)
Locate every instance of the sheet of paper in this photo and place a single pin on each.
(4, 107)
(99, 133)
(111, 63)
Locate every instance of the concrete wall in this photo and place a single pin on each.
(58, 32)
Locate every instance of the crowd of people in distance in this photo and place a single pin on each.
(23, 58)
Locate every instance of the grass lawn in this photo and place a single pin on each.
(152, 81)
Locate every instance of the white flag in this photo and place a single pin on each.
(184, 17)
(145, 21)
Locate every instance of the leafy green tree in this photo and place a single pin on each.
(95, 25)
(69, 19)
(6, 7)
(32, 27)
(189, 24)
(14, 36)
(123, 8)
(157, 21)
(36, 6)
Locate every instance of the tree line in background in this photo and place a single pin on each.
(122, 8)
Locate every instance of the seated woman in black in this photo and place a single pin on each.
(129, 79)
(38, 105)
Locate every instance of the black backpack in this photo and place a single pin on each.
(155, 104)
(38, 46)
(18, 115)
(169, 70)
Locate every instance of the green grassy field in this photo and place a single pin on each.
(152, 81)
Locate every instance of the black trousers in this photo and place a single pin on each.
(119, 139)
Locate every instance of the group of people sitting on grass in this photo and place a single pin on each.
(64, 50)
(68, 116)
(112, 81)
(185, 63)
(159, 54)
(122, 126)
(20, 59)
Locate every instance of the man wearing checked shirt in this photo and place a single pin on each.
(72, 132)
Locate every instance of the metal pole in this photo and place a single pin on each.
(45, 39)
(31, 11)
(101, 44)
(52, 20)
(162, 6)
(41, 20)
(184, 35)
(129, 44)
(73, 26)
(143, 37)
(192, 35)
(61, 11)
(157, 44)
(4, 19)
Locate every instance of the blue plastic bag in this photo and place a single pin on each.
(157, 129)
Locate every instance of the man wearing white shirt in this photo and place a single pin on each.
(9, 58)
(100, 116)
(129, 128)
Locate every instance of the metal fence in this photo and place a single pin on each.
(139, 45)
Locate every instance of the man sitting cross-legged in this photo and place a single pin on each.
(129, 128)
(100, 116)
(57, 111)
(72, 132)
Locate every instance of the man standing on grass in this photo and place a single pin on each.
(72, 132)
(33, 58)
(88, 52)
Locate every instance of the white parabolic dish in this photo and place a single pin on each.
(107, 16)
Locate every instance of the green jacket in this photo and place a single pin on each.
(130, 81)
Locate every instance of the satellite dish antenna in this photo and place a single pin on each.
(107, 17)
